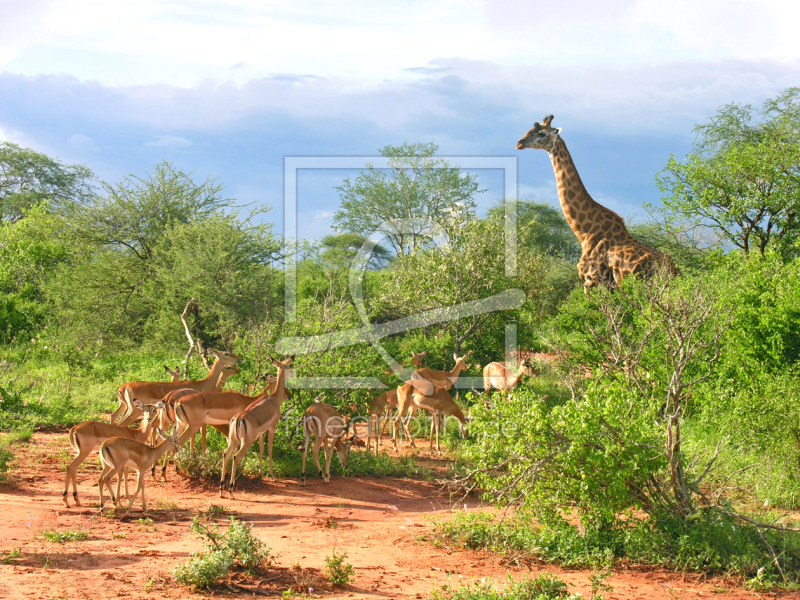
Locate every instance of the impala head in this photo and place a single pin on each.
(416, 359)
(462, 360)
(171, 439)
(541, 136)
(284, 364)
(176, 374)
(226, 357)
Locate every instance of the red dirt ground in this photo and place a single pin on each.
(377, 521)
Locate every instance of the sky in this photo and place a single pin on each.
(228, 90)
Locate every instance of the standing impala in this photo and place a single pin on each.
(124, 404)
(152, 392)
(261, 416)
(87, 436)
(119, 453)
(328, 426)
(212, 408)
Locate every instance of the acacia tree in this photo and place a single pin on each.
(743, 178)
(408, 203)
(29, 178)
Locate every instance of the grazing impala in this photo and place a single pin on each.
(152, 392)
(87, 436)
(439, 404)
(261, 416)
(328, 426)
(501, 377)
(425, 382)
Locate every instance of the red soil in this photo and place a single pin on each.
(377, 523)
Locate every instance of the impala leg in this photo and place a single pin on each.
(305, 453)
(101, 481)
(269, 444)
(261, 455)
(369, 436)
(329, 451)
(72, 474)
(139, 487)
(315, 455)
(225, 458)
(203, 437)
(438, 419)
(121, 409)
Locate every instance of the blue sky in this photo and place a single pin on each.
(228, 90)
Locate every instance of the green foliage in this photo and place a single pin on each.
(28, 179)
(541, 587)
(710, 542)
(422, 192)
(65, 535)
(743, 179)
(6, 456)
(7, 557)
(542, 227)
(337, 571)
(236, 548)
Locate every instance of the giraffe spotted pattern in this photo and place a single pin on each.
(608, 252)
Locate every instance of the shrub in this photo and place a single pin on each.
(66, 535)
(235, 548)
(337, 571)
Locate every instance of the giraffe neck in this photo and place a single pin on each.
(578, 206)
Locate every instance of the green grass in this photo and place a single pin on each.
(9, 556)
(65, 535)
(543, 587)
(710, 543)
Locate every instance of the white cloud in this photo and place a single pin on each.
(363, 43)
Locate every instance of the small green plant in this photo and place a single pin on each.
(146, 524)
(166, 505)
(118, 536)
(597, 581)
(10, 556)
(66, 535)
(214, 512)
(6, 456)
(543, 587)
(337, 571)
(235, 548)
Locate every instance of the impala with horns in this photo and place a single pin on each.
(89, 435)
(152, 392)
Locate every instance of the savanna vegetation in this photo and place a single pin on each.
(666, 432)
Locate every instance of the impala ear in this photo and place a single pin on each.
(160, 405)
(138, 404)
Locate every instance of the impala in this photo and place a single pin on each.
(87, 436)
(261, 416)
(328, 426)
(501, 377)
(119, 453)
(439, 404)
(212, 408)
(381, 406)
(124, 404)
(152, 392)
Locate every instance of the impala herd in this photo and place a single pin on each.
(191, 405)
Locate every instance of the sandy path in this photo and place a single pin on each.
(377, 520)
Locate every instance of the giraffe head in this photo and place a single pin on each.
(541, 136)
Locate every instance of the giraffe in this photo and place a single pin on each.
(608, 251)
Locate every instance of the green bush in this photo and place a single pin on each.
(710, 542)
(235, 548)
(337, 571)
